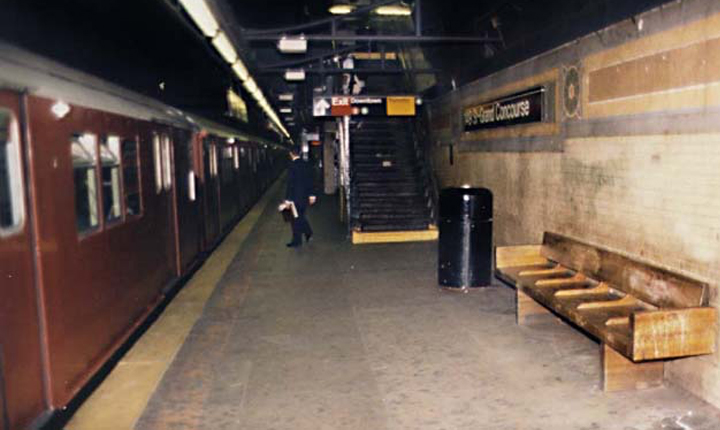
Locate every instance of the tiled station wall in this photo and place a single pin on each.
(635, 167)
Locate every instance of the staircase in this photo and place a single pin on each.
(389, 192)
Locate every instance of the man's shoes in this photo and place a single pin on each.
(293, 245)
(308, 237)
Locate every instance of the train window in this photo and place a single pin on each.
(191, 186)
(189, 148)
(213, 161)
(11, 196)
(84, 159)
(166, 164)
(110, 162)
(131, 177)
(158, 164)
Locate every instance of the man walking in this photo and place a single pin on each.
(300, 192)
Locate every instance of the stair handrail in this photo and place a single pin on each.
(421, 141)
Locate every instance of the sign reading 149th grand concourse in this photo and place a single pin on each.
(519, 108)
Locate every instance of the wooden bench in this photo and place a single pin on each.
(641, 314)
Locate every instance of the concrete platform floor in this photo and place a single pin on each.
(336, 336)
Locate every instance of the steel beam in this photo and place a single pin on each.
(365, 71)
(378, 38)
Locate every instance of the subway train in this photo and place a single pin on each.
(108, 199)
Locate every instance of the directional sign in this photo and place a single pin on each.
(320, 106)
(401, 106)
(341, 106)
(363, 105)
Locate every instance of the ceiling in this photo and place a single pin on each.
(142, 44)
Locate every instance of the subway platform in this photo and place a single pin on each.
(336, 336)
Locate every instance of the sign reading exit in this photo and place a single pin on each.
(363, 106)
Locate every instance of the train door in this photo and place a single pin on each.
(21, 367)
(163, 144)
(243, 182)
(252, 159)
(211, 192)
(189, 211)
(228, 191)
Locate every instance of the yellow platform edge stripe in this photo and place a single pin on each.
(120, 400)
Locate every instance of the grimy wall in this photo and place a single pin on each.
(627, 155)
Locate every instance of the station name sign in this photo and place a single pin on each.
(519, 108)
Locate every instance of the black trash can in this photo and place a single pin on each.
(465, 245)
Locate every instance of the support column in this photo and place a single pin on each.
(622, 374)
(330, 172)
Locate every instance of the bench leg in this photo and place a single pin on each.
(621, 374)
(526, 306)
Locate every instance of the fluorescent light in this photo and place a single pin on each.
(250, 85)
(341, 9)
(394, 10)
(225, 48)
(295, 75)
(240, 70)
(201, 14)
(292, 45)
(286, 110)
(286, 97)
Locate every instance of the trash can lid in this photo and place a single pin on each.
(473, 203)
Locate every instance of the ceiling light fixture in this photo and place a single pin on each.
(292, 45)
(341, 9)
(240, 70)
(394, 10)
(286, 110)
(203, 17)
(250, 85)
(225, 48)
(295, 75)
(286, 97)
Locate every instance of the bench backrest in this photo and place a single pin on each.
(651, 284)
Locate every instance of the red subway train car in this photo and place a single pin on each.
(107, 199)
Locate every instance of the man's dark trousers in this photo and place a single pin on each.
(299, 190)
(300, 225)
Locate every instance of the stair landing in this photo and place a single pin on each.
(366, 237)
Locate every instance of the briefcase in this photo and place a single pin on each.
(288, 212)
